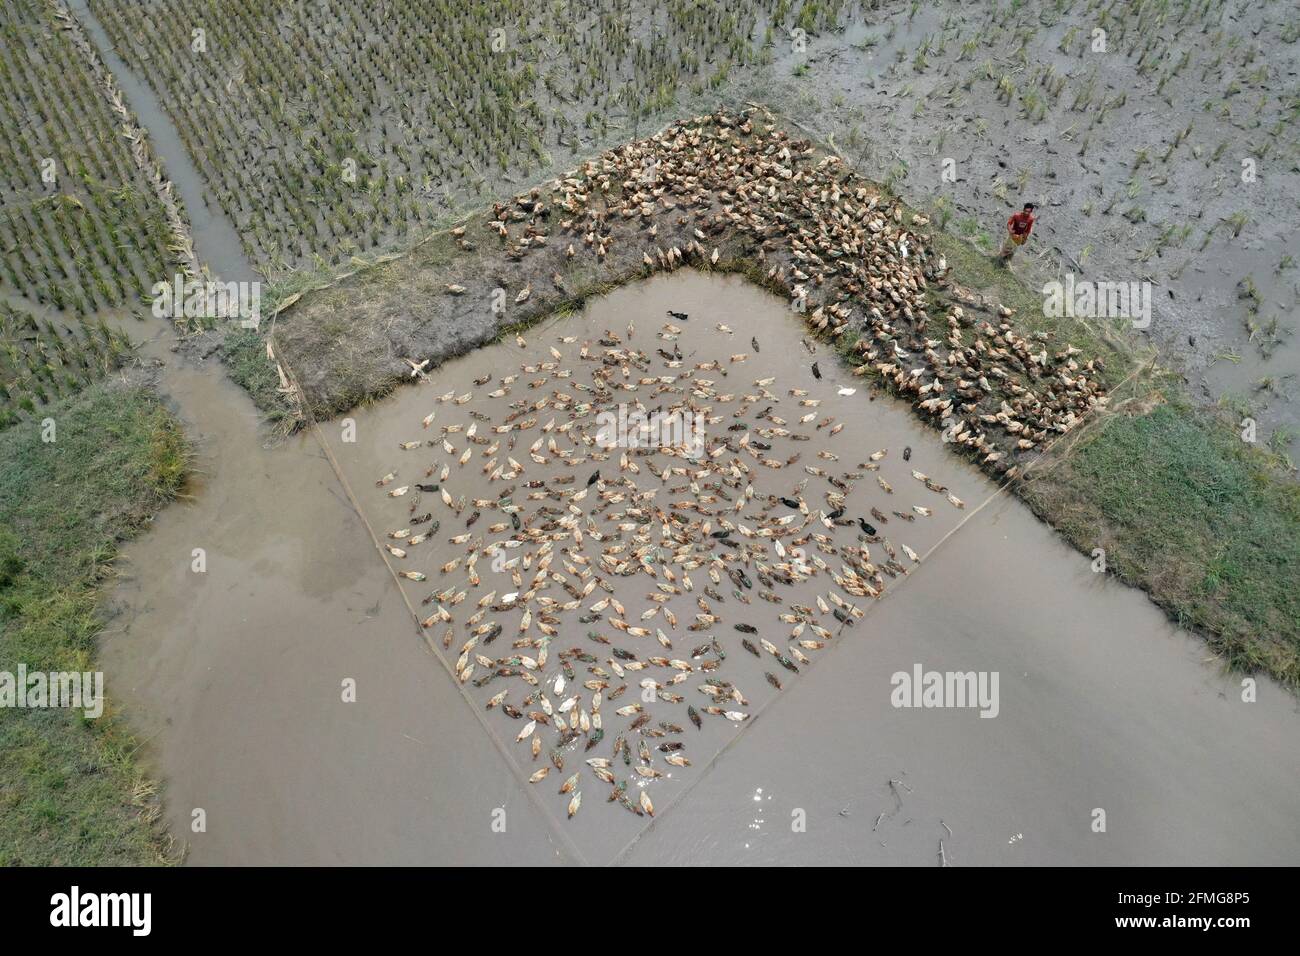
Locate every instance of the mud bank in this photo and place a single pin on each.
(733, 192)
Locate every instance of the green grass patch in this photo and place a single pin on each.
(70, 789)
(244, 352)
(1195, 516)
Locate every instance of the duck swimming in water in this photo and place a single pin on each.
(563, 544)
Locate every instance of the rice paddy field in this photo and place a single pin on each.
(350, 126)
(81, 230)
(1132, 137)
(480, 225)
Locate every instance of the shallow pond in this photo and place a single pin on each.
(1100, 703)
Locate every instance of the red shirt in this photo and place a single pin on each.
(1021, 224)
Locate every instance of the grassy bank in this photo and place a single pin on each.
(1195, 517)
(244, 352)
(70, 789)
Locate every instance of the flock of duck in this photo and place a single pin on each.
(594, 589)
(846, 257)
(615, 538)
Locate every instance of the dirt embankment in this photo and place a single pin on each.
(729, 191)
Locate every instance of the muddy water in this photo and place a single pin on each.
(238, 670)
(1115, 691)
(601, 829)
(1103, 705)
(235, 675)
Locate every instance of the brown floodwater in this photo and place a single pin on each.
(600, 828)
(238, 670)
(235, 675)
(1102, 705)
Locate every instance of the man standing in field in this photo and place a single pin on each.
(1019, 226)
